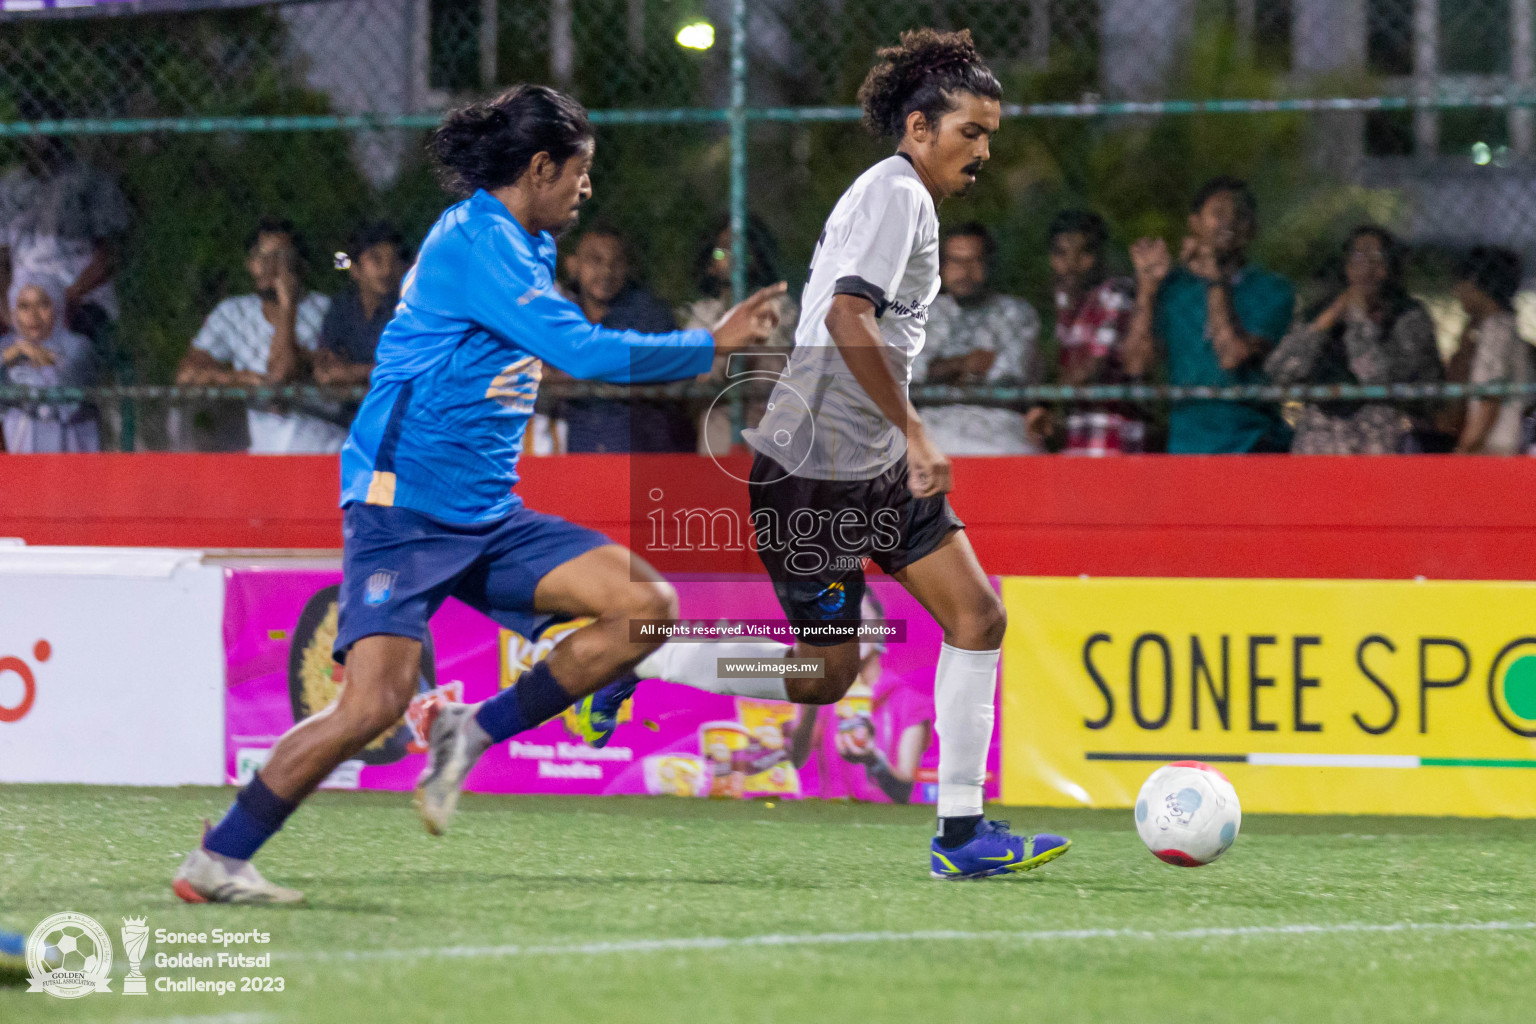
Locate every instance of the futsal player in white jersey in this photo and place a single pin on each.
(841, 438)
(844, 469)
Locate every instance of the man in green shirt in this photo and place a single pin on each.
(1212, 320)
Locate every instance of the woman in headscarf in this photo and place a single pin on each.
(41, 352)
(1369, 331)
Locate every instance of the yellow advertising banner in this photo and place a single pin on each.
(1313, 696)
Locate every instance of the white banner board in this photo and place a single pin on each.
(111, 666)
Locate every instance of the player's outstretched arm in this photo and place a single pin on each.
(524, 307)
(851, 322)
(749, 322)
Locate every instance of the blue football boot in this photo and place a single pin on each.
(597, 715)
(993, 850)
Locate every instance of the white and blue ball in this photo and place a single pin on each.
(1188, 813)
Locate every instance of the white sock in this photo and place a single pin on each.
(697, 665)
(964, 685)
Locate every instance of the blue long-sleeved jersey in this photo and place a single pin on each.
(459, 367)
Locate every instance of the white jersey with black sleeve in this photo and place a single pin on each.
(882, 243)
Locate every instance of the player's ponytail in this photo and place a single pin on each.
(923, 74)
(489, 144)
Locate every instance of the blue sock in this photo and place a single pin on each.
(254, 818)
(533, 700)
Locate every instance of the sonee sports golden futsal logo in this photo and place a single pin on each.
(69, 955)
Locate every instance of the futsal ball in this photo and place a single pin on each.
(70, 949)
(1187, 813)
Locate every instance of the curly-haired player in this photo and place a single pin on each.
(841, 438)
(843, 469)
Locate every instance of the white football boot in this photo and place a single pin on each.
(207, 877)
(454, 743)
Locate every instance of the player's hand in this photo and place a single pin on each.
(1038, 424)
(928, 470)
(1189, 250)
(328, 369)
(977, 363)
(749, 322)
(287, 288)
(37, 355)
(1152, 260)
(1204, 260)
(1358, 300)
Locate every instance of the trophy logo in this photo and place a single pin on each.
(135, 941)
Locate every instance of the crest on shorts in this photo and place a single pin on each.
(831, 600)
(380, 585)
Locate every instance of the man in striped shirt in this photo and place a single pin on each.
(1093, 313)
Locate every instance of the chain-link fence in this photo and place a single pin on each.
(1416, 114)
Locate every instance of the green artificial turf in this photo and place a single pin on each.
(524, 891)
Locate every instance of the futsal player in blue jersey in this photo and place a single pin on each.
(428, 473)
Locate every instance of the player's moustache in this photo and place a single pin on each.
(974, 167)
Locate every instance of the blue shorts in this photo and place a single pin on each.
(398, 566)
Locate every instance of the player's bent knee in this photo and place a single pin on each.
(981, 627)
(657, 601)
(374, 713)
(815, 691)
(838, 677)
(992, 622)
(381, 716)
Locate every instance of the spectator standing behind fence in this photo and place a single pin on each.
(712, 274)
(599, 272)
(41, 352)
(976, 336)
(65, 222)
(1368, 331)
(1212, 319)
(1093, 313)
(266, 338)
(1486, 282)
(377, 257)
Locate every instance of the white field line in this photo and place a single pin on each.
(711, 943)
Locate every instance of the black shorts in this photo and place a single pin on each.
(814, 535)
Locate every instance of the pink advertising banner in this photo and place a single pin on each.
(876, 744)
